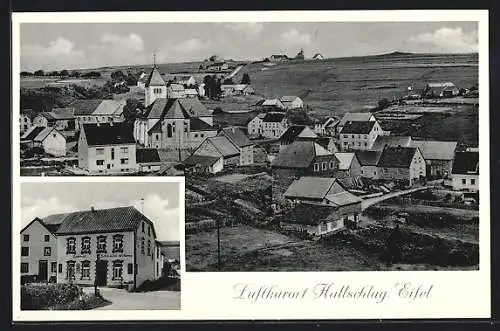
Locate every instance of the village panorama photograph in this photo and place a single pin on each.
(99, 245)
(329, 146)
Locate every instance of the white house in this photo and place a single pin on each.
(354, 117)
(48, 138)
(273, 104)
(465, 172)
(292, 102)
(254, 127)
(175, 91)
(274, 125)
(356, 135)
(98, 111)
(327, 127)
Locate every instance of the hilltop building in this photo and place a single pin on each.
(440, 90)
(318, 56)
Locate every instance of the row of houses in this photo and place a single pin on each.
(107, 247)
(157, 85)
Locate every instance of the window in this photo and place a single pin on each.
(149, 230)
(142, 245)
(346, 136)
(316, 167)
(169, 130)
(112, 153)
(25, 267)
(366, 144)
(46, 238)
(46, 251)
(101, 244)
(124, 150)
(25, 251)
(130, 268)
(117, 269)
(70, 246)
(99, 162)
(26, 237)
(473, 182)
(359, 143)
(86, 245)
(464, 181)
(117, 243)
(85, 269)
(157, 136)
(124, 161)
(149, 247)
(196, 135)
(352, 136)
(366, 136)
(70, 270)
(324, 165)
(201, 135)
(323, 227)
(53, 267)
(59, 268)
(331, 164)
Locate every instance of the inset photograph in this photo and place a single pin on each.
(100, 245)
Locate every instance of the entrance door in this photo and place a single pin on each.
(101, 273)
(42, 270)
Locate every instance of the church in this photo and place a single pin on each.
(179, 124)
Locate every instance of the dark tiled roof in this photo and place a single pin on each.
(466, 163)
(273, 117)
(176, 108)
(195, 124)
(236, 136)
(358, 127)
(147, 155)
(397, 157)
(367, 158)
(33, 133)
(100, 220)
(290, 135)
(299, 154)
(107, 134)
(224, 146)
(394, 141)
(85, 107)
(201, 160)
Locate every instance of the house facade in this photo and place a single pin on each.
(254, 127)
(465, 172)
(107, 148)
(349, 165)
(25, 120)
(38, 252)
(109, 247)
(438, 156)
(368, 161)
(238, 138)
(274, 125)
(401, 164)
(359, 135)
(62, 120)
(47, 138)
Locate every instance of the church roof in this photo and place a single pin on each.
(154, 78)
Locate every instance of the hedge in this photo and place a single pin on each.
(42, 296)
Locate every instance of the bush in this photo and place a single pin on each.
(163, 283)
(41, 296)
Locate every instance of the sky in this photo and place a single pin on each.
(161, 201)
(56, 46)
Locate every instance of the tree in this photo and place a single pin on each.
(245, 79)
(131, 80)
(212, 58)
(39, 73)
(64, 73)
(117, 75)
(74, 74)
(26, 74)
(132, 109)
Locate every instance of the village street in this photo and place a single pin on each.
(123, 300)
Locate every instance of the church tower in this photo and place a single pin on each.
(155, 87)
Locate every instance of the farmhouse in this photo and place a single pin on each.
(62, 119)
(38, 252)
(186, 80)
(254, 126)
(204, 163)
(292, 102)
(174, 124)
(47, 138)
(368, 161)
(359, 135)
(112, 247)
(322, 205)
(392, 141)
(296, 132)
(25, 119)
(401, 164)
(106, 148)
(301, 158)
(147, 159)
(240, 140)
(216, 148)
(98, 111)
(465, 171)
(349, 165)
(326, 127)
(273, 104)
(440, 90)
(274, 125)
(354, 117)
(237, 89)
(438, 156)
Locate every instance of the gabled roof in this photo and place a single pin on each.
(441, 84)
(368, 158)
(436, 150)
(393, 141)
(58, 114)
(273, 102)
(108, 134)
(44, 134)
(147, 155)
(176, 108)
(195, 159)
(355, 117)
(466, 163)
(299, 154)
(32, 132)
(236, 136)
(358, 127)
(110, 107)
(36, 219)
(176, 87)
(397, 157)
(85, 107)
(313, 188)
(345, 159)
(154, 78)
(224, 146)
(317, 55)
(100, 221)
(195, 124)
(297, 131)
(191, 91)
(273, 117)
